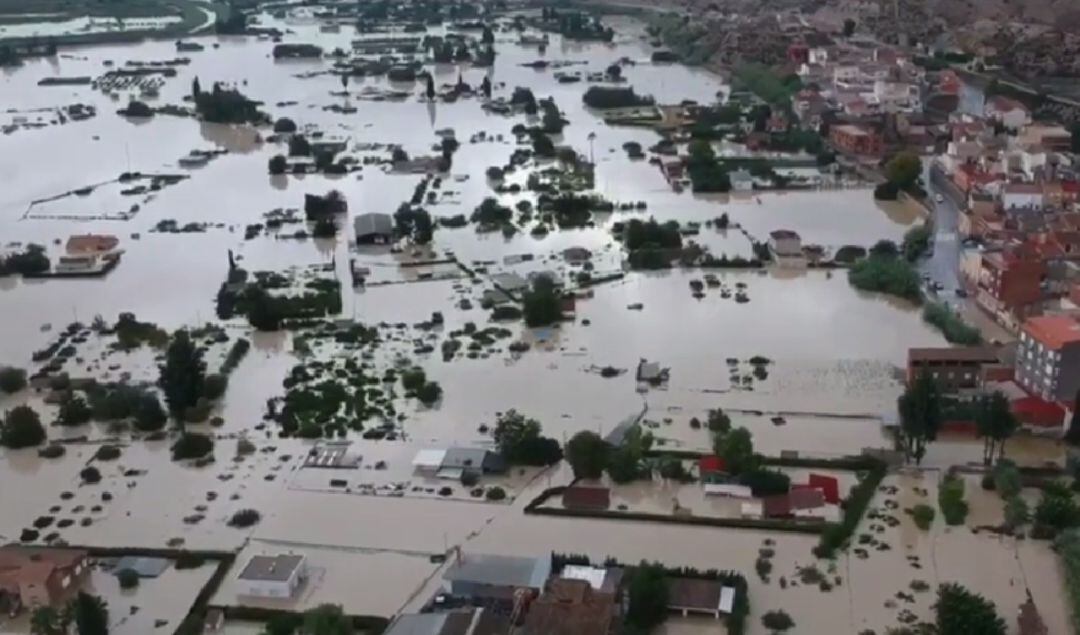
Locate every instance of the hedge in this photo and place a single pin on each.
(369, 624)
(836, 535)
(794, 525)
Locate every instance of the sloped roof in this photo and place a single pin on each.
(373, 223)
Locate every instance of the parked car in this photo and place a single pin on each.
(960, 293)
(939, 198)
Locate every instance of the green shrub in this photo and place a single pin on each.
(495, 493)
(90, 475)
(951, 326)
(107, 452)
(923, 515)
(469, 478)
(777, 621)
(837, 534)
(951, 500)
(413, 379)
(12, 379)
(1007, 479)
(1067, 546)
(21, 428)
(429, 393)
(245, 518)
(765, 482)
(1057, 509)
(214, 386)
(74, 411)
(52, 451)
(192, 445)
(885, 274)
(1016, 512)
(128, 578)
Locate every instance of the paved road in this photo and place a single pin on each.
(943, 266)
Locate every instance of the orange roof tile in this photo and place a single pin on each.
(1053, 331)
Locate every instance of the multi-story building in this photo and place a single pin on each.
(952, 368)
(32, 577)
(1009, 285)
(852, 139)
(1048, 357)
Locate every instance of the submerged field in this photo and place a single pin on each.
(833, 353)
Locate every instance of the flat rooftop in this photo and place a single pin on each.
(271, 568)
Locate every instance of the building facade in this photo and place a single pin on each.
(1048, 357)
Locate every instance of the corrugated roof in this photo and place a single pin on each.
(373, 223)
(496, 570)
(271, 568)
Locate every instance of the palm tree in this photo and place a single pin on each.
(592, 137)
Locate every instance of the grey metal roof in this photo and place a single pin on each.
(271, 568)
(477, 458)
(373, 223)
(510, 281)
(145, 567)
(494, 570)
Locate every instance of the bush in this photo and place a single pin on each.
(245, 518)
(777, 621)
(128, 578)
(1006, 479)
(469, 478)
(951, 500)
(284, 124)
(1057, 509)
(149, 414)
(505, 313)
(495, 493)
(413, 379)
(837, 534)
(951, 326)
(1016, 512)
(764, 482)
(192, 445)
(12, 379)
(214, 386)
(22, 428)
(429, 393)
(446, 491)
(1067, 546)
(74, 411)
(90, 475)
(885, 274)
(107, 452)
(278, 164)
(923, 515)
(52, 451)
(188, 560)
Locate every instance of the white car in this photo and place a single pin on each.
(939, 198)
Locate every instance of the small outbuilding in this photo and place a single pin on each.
(272, 576)
(373, 228)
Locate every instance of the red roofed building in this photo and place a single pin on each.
(587, 498)
(711, 465)
(1010, 282)
(857, 140)
(1048, 357)
(1034, 412)
(828, 485)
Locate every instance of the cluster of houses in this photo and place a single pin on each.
(496, 594)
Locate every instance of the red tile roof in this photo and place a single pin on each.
(1053, 331)
(708, 464)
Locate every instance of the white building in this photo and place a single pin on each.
(1011, 113)
(784, 242)
(1018, 196)
(272, 576)
(741, 180)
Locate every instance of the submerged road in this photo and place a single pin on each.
(943, 264)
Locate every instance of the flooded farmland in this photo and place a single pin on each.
(375, 537)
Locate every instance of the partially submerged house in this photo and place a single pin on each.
(373, 228)
(276, 576)
(32, 577)
(452, 463)
(481, 576)
(703, 597)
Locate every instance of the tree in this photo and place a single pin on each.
(345, 83)
(920, 416)
(737, 450)
(430, 88)
(519, 441)
(614, 72)
(587, 454)
(74, 411)
(326, 619)
(128, 578)
(541, 304)
(485, 87)
(91, 615)
(903, 170)
(624, 461)
(22, 428)
(1057, 509)
(182, 374)
(192, 445)
(149, 415)
(961, 612)
(46, 620)
(195, 89)
(278, 164)
(12, 379)
(487, 37)
(647, 593)
(995, 423)
(849, 27)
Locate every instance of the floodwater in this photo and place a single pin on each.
(833, 351)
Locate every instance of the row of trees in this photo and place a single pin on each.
(520, 441)
(590, 455)
(922, 407)
(87, 613)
